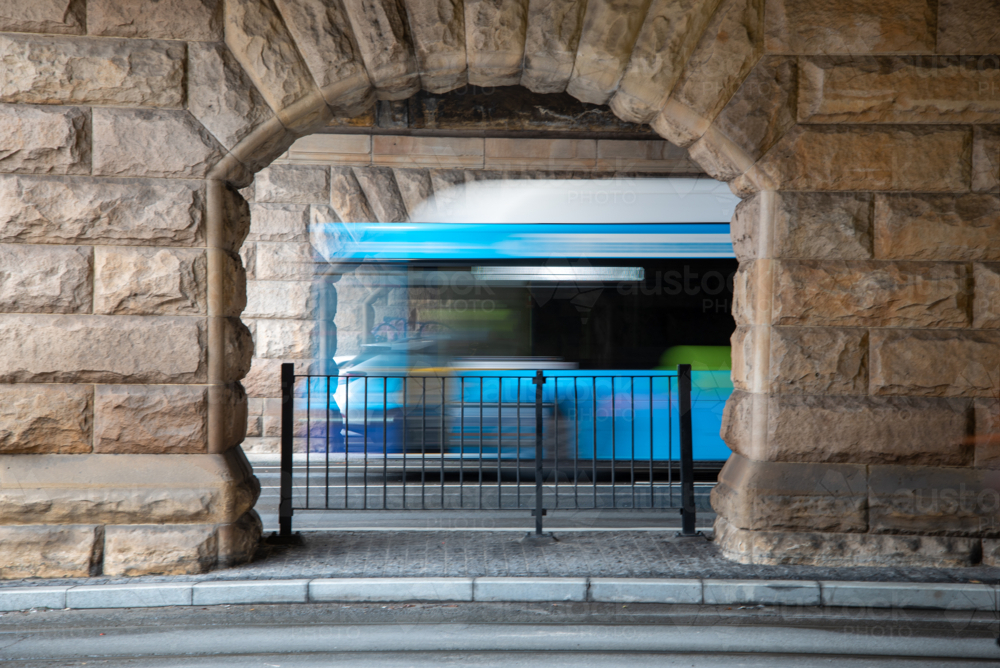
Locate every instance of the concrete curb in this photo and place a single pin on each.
(931, 596)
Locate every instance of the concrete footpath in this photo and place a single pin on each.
(484, 566)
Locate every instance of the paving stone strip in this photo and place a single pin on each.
(626, 566)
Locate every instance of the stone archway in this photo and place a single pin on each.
(129, 128)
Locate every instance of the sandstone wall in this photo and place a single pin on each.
(863, 134)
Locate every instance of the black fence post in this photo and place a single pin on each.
(687, 452)
(539, 381)
(287, 429)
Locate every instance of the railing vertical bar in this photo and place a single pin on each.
(326, 502)
(423, 444)
(481, 382)
(555, 420)
(593, 423)
(517, 452)
(631, 459)
(461, 446)
(347, 439)
(308, 434)
(364, 445)
(670, 437)
(652, 489)
(576, 444)
(499, 439)
(385, 440)
(614, 447)
(287, 420)
(444, 440)
(405, 449)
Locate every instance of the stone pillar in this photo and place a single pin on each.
(121, 412)
(867, 353)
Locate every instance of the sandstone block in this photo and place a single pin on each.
(151, 419)
(236, 343)
(814, 360)
(248, 254)
(263, 446)
(157, 550)
(915, 226)
(934, 363)
(40, 279)
(742, 351)
(828, 226)
(494, 41)
(347, 197)
(299, 184)
(331, 149)
(856, 26)
(45, 419)
(74, 210)
(150, 281)
(762, 109)
(221, 95)
(438, 32)
(427, 151)
(384, 42)
(844, 549)
(134, 142)
(898, 89)
(744, 228)
(191, 20)
(286, 261)
(551, 40)
(503, 153)
(44, 140)
(234, 212)
(283, 339)
(225, 270)
(792, 497)
(34, 551)
(126, 489)
(869, 430)
(986, 159)
(964, 26)
(257, 36)
(281, 299)
(227, 416)
(986, 299)
(667, 39)
(238, 542)
(931, 500)
(414, 187)
(254, 426)
(727, 51)
(831, 157)
(986, 439)
(64, 17)
(610, 30)
(96, 349)
(752, 292)
(738, 418)
(60, 70)
(264, 377)
(870, 294)
(279, 222)
(324, 38)
(382, 193)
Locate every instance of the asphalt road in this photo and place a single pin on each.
(496, 635)
(458, 513)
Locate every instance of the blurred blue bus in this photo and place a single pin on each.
(606, 310)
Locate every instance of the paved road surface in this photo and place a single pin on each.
(562, 635)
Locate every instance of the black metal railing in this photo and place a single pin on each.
(498, 441)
